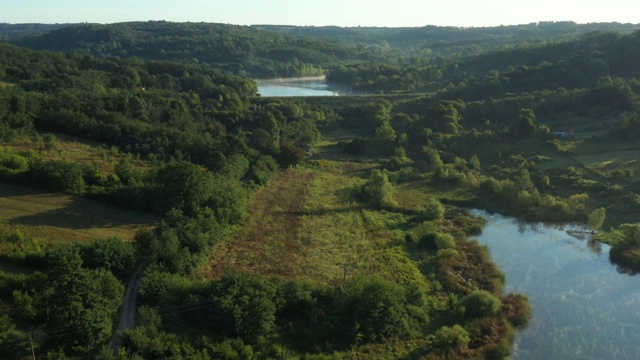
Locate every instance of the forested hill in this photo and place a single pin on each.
(277, 50)
(17, 31)
(450, 40)
(237, 48)
(575, 63)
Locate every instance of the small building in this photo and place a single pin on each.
(563, 133)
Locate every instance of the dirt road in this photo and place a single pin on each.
(128, 312)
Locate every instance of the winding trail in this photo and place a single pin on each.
(128, 312)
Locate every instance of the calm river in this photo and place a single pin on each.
(311, 86)
(583, 306)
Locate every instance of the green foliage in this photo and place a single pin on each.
(10, 338)
(56, 175)
(291, 154)
(83, 300)
(312, 315)
(432, 209)
(525, 126)
(243, 306)
(24, 305)
(444, 241)
(480, 303)
(380, 190)
(381, 311)
(11, 160)
(111, 254)
(596, 218)
(451, 339)
(263, 168)
(182, 185)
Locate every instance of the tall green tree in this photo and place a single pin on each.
(524, 126)
(380, 189)
(182, 185)
(596, 218)
(84, 302)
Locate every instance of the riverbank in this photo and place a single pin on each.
(574, 289)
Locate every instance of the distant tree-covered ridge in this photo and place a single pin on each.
(240, 49)
(575, 63)
(272, 50)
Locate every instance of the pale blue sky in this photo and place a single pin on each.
(323, 12)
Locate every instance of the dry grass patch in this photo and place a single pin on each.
(61, 217)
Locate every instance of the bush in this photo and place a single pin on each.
(518, 309)
(445, 241)
(480, 303)
(380, 190)
(454, 338)
(380, 309)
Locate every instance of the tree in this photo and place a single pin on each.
(443, 117)
(380, 190)
(111, 254)
(631, 233)
(243, 306)
(290, 154)
(380, 308)
(525, 126)
(596, 218)
(385, 133)
(126, 172)
(83, 301)
(182, 185)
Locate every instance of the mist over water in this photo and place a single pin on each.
(584, 307)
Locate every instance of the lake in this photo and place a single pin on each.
(310, 86)
(584, 307)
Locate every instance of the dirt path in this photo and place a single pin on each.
(128, 312)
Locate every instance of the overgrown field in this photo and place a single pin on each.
(72, 149)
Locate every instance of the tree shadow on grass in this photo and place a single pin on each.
(73, 212)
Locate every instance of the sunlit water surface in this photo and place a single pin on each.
(583, 306)
(296, 87)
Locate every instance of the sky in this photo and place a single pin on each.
(382, 13)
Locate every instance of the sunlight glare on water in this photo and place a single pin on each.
(293, 87)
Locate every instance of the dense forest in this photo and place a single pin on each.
(373, 257)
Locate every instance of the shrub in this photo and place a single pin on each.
(480, 303)
(454, 338)
(445, 241)
(380, 190)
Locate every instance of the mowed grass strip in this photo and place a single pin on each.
(268, 242)
(62, 217)
(311, 224)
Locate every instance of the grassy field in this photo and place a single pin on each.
(310, 223)
(71, 149)
(61, 217)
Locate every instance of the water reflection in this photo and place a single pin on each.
(298, 87)
(583, 308)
